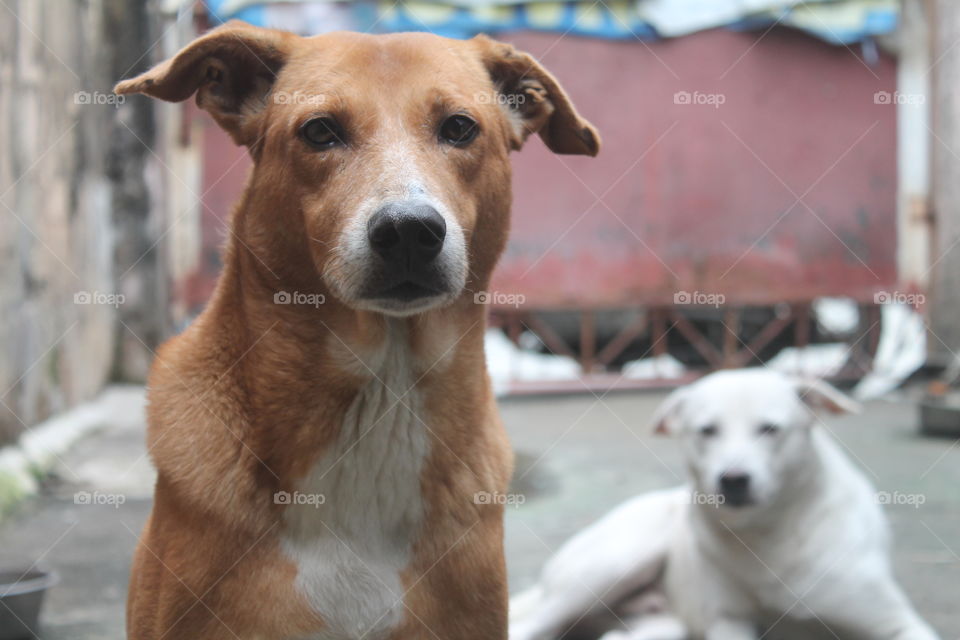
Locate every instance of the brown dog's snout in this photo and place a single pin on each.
(406, 236)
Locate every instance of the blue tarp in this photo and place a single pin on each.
(835, 21)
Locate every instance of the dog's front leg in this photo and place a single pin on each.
(459, 592)
(663, 626)
(884, 625)
(731, 629)
(877, 608)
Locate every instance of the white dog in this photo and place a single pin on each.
(777, 533)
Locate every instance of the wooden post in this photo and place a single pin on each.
(588, 341)
(914, 144)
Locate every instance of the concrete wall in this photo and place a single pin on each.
(944, 343)
(80, 294)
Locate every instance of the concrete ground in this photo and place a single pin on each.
(578, 457)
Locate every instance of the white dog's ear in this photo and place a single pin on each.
(664, 420)
(818, 394)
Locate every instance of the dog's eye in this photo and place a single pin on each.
(768, 429)
(322, 133)
(709, 430)
(459, 130)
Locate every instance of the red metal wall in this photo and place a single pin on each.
(699, 210)
(687, 197)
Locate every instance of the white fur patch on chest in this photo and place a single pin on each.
(350, 549)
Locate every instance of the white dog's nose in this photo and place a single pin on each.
(735, 487)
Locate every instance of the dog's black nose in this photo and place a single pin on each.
(735, 487)
(406, 236)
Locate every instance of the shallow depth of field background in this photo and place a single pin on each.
(777, 187)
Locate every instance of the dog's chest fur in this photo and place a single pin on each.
(350, 549)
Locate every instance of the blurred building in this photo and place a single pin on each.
(756, 160)
(749, 168)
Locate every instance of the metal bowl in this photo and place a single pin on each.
(21, 596)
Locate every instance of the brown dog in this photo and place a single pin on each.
(323, 430)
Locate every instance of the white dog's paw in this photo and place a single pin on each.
(655, 628)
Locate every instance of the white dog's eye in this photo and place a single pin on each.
(768, 429)
(709, 430)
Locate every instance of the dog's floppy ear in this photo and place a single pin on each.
(231, 69)
(818, 394)
(664, 420)
(534, 100)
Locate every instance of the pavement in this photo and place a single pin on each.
(578, 456)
